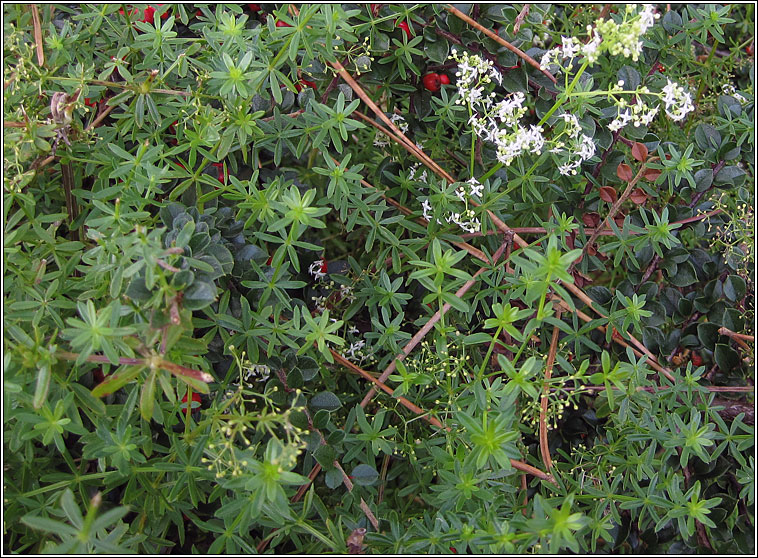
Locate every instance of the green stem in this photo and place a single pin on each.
(480, 375)
(473, 139)
(558, 102)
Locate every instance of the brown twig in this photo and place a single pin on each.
(520, 18)
(384, 387)
(544, 447)
(403, 140)
(649, 271)
(528, 59)
(38, 36)
(615, 337)
(615, 207)
(599, 230)
(427, 327)
(738, 338)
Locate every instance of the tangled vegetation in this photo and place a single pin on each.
(379, 278)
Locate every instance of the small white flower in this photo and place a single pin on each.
(315, 269)
(678, 103)
(475, 188)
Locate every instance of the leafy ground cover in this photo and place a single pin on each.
(379, 278)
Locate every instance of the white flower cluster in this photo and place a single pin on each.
(412, 173)
(474, 72)
(382, 140)
(500, 122)
(315, 269)
(346, 293)
(355, 351)
(678, 103)
(467, 219)
(729, 89)
(577, 147)
(639, 113)
(607, 36)
(252, 371)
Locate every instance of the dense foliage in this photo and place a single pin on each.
(381, 278)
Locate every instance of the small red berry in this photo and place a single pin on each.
(750, 49)
(697, 360)
(255, 8)
(404, 26)
(444, 80)
(149, 11)
(280, 23)
(431, 82)
(324, 266)
(269, 260)
(89, 102)
(220, 167)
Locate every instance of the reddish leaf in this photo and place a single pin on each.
(624, 172)
(639, 152)
(651, 175)
(638, 196)
(608, 194)
(619, 218)
(591, 219)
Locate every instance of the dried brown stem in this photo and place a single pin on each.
(616, 337)
(520, 18)
(38, 36)
(544, 446)
(615, 207)
(521, 54)
(420, 334)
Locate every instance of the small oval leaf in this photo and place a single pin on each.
(608, 194)
(325, 400)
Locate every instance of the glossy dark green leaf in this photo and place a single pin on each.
(726, 358)
(325, 400)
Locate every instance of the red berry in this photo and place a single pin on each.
(149, 11)
(220, 167)
(307, 83)
(324, 266)
(404, 26)
(431, 82)
(749, 49)
(280, 23)
(89, 102)
(444, 80)
(254, 7)
(697, 360)
(269, 260)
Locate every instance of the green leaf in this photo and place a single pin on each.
(726, 358)
(199, 295)
(42, 387)
(734, 288)
(364, 475)
(325, 400)
(325, 455)
(685, 275)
